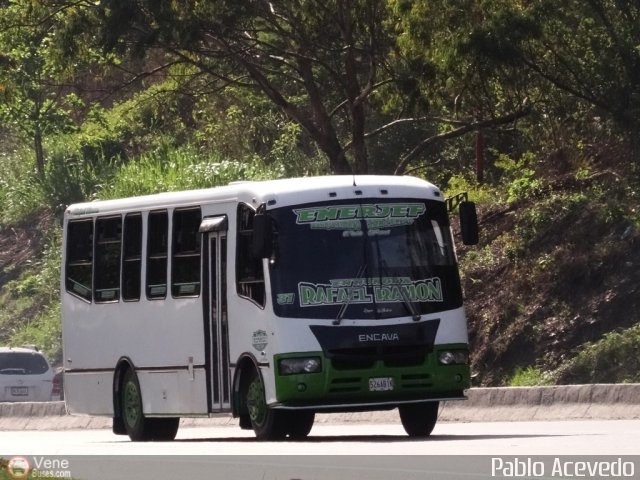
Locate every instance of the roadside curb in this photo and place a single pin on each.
(563, 402)
(566, 402)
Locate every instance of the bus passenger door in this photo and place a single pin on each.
(216, 320)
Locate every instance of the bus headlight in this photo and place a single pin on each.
(454, 357)
(290, 366)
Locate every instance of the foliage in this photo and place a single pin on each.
(250, 127)
(20, 194)
(466, 91)
(530, 377)
(44, 331)
(68, 178)
(32, 98)
(612, 359)
(520, 177)
(71, 178)
(587, 50)
(318, 62)
(184, 168)
(484, 195)
(615, 358)
(31, 311)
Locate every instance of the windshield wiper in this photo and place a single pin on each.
(405, 298)
(345, 305)
(382, 266)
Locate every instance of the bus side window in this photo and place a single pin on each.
(79, 265)
(132, 257)
(185, 259)
(106, 282)
(249, 274)
(157, 246)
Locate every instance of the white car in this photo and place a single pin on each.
(25, 375)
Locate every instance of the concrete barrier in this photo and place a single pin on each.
(566, 402)
(598, 401)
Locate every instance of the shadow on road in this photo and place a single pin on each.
(374, 438)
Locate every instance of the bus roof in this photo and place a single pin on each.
(273, 193)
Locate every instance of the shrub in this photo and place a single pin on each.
(530, 377)
(182, 168)
(615, 358)
(20, 192)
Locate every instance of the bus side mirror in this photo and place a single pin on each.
(262, 236)
(469, 223)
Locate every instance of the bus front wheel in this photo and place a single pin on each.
(418, 419)
(267, 423)
(138, 427)
(298, 423)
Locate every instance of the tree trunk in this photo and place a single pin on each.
(37, 145)
(480, 156)
(353, 90)
(337, 160)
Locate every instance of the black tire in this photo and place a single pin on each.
(138, 427)
(418, 419)
(267, 423)
(245, 422)
(298, 423)
(118, 427)
(163, 429)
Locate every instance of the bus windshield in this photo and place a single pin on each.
(372, 259)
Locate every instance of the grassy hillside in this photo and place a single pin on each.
(552, 290)
(29, 278)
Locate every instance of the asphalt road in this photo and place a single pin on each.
(592, 437)
(353, 451)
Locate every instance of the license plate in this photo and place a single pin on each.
(19, 391)
(381, 384)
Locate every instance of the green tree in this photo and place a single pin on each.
(470, 94)
(333, 67)
(34, 102)
(318, 62)
(585, 49)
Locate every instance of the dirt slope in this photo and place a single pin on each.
(554, 271)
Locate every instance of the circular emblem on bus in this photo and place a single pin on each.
(259, 340)
(18, 467)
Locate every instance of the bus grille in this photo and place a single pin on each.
(363, 358)
(345, 385)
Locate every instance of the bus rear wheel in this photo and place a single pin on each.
(138, 427)
(419, 419)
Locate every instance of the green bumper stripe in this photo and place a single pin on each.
(349, 381)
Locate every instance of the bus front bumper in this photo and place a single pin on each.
(372, 384)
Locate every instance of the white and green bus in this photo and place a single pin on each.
(272, 301)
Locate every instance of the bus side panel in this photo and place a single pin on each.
(251, 332)
(149, 333)
(174, 392)
(89, 393)
(153, 335)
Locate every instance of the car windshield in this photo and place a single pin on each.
(22, 363)
(369, 260)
